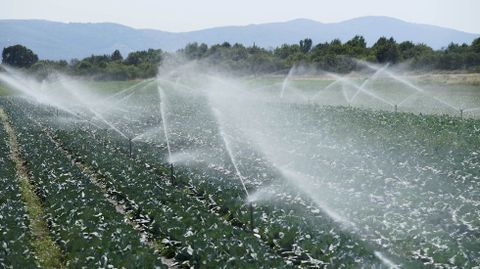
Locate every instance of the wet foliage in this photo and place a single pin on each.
(15, 248)
(83, 223)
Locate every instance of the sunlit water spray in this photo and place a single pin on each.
(76, 91)
(408, 84)
(329, 86)
(228, 148)
(109, 124)
(297, 173)
(368, 80)
(262, 194)
(390, 264)
(32, 89)
(129, 90)
(363, 90)
(304, 184)
(286, 80)
(163, 100)
(186, 157)
(147, 135)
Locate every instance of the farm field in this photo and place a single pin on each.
(194, 169)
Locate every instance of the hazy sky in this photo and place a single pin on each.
(183, 15)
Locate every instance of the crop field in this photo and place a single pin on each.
(199, 170)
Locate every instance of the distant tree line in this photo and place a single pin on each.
(137, 65)
(336, 56)
(333, 56)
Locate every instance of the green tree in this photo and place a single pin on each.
(356, 47)
(407, 49)
(476, 45)
(194, 51)
(117, 56)
(43, 68)
(320, 50)
(305, 45)
(386, 50)
(456, 48)
(336, 47)
(152, 56)
(19, 56)
(226, 45)
(238, 52)
(285, 50)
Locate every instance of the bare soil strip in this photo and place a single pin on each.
(124, 207)
(48, 254)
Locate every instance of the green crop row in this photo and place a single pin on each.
(192, 234)
(16, 250)
(83, 223)
(284, 226)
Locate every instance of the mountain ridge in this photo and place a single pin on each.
(59, 40)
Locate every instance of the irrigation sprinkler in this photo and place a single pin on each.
(395, 108)
(172, 174)
(250, 207)
(130, 147)
(461, 113)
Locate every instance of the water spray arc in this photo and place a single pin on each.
(408, 84)
(239, 175)
(161, 93)
(285, 81)
(278, 138)
(162, 104)
(362, 86)
(26, 86)
(360, 89)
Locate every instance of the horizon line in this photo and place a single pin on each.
(238, 25)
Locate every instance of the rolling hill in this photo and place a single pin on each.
(56, 40)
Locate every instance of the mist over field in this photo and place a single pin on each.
(272, 149)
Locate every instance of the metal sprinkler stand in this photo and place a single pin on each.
(461, 113)
(172, 174)
(250, 207)
(130, 147)
(395, 107)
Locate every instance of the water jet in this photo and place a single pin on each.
(164, 120)
(217, 114)
(285, 81)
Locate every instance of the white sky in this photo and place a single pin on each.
(183, 15)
